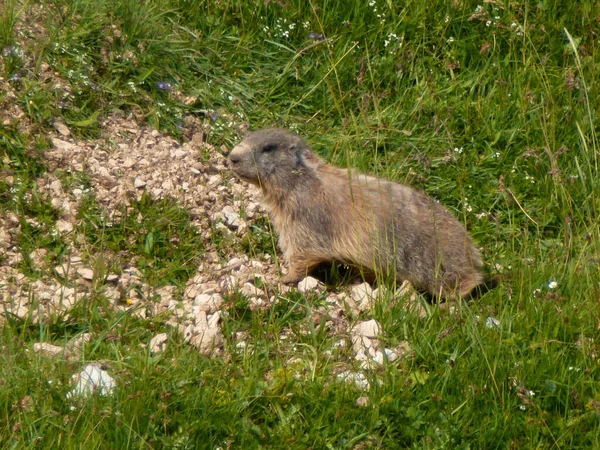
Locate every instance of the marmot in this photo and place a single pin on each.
(323, 214)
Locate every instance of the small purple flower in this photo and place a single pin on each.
(15, 77)
(315, 36)
(214, 115)
(179, 127)
(163, 85)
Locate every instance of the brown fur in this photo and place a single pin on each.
(323, 214)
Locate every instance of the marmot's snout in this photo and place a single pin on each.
(242, 163)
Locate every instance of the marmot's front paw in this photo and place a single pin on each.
(290, 278)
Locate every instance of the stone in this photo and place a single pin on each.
(310, 284)
(158, 343)
(46, 349)
(92, 379)
(61, 128)
(206, 340)
(249, 290)
(362, 295)
(364, 337)
(358, 378)
(85, 273)
(208, 303)
(62, 145)
(363, 401)
(368, 328)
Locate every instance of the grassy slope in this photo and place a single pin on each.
(490, 110)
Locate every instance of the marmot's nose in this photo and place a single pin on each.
(234, 158)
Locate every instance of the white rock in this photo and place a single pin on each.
(213, 319)
(92, 379)
(362, 295)
(232, 218)
(46, 349)
(364, 337)
(208, 302)
(391, 355)
(128, 163)
(229, 283)
(235, 262)
(363, 401)
(358, 378)
(158, 343)
(62, 145)
(404, 289)
(249, 290)
(63, 226)
(61, 128)
(139, 183)
(85, 273)
(206, 340)
(309, 284)
(368, 328)
(492, 322)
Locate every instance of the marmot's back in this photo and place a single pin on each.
(323, 213)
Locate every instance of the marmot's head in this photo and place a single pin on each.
(270, 157)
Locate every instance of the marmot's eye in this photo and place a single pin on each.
(268, 148)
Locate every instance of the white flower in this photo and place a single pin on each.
(450, 39)
(552, 285)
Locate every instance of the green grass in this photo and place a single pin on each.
(488, 107)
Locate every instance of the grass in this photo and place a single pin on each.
(489, 107)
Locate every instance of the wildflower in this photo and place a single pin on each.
(458, 150)
(552, 285)
(446, 19)
(214, 115)
(163, 85)
(391, 36)
(450, 40)
(315, 36)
